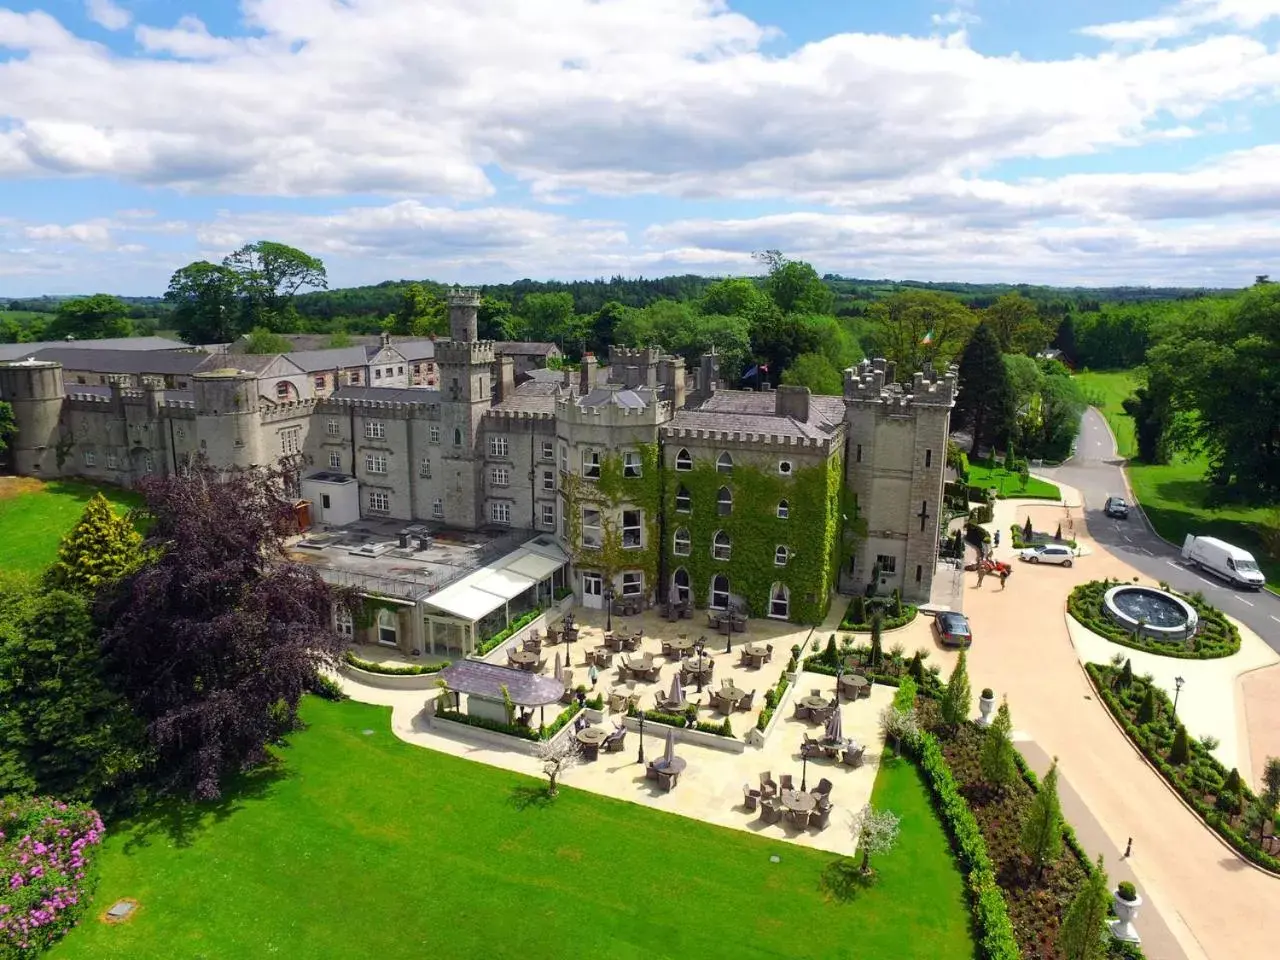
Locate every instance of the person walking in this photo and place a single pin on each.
(593, 675)
(982, 569)
(1004, 575)
(997, 538)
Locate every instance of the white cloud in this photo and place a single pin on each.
(190, 39)
(1187, 17)
(92, 234)
(107, 14)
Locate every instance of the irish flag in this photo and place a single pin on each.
(926, 339)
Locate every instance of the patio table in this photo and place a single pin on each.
(814, 703)
(682, 647)
(612, 642)
(592, 735)
(854, 683)
(756, 650)
(798, 800)
(675, 766)
(525, 660)
(732, 693)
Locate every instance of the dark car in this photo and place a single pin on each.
(1116, 507)
(953, 630)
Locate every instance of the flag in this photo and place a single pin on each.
(749, 374)
(928, 339)
(764, 368)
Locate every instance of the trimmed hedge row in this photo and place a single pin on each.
(1217, 636)
(681, 720)
(408, 670)
(772, 697)
(513, 729)
(1016, 538)
(506, 633)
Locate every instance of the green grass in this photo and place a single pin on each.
(34, 522)
(364, 846)
(1107, 391)
(1010, 484)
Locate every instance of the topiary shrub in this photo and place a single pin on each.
(1147, 709)
(1126, 891)
(1181, 750)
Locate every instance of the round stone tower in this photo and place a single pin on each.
(227, 419)
(34, 389)
(464, 309)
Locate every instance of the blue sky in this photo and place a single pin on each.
(487, 140)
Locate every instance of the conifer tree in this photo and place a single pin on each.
(1181, 750)
(1084, 928)
(101, 548)
(956, 700)
(1147, 709)
(985, 404)
(1126, 674)
(1042, 829)
(915, 669)
(999, 768)
(877, 653)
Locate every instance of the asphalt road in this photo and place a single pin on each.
(1096, 471)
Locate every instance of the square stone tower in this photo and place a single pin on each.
(464, 364)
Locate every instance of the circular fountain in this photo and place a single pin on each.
(1157, 613)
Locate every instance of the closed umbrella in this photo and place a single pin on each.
(557, 673)
(835, 729)
(677, 689)
(670, 753)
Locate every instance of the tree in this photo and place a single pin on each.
(1017, 325)
(1256, 817)
(1125, 680)
(421, 313)
(8, 426)
(914, 327)
(814, 371)
(737, 297)
(1180, 752)
(1271, 782)
(1147, 708)
(1084, 928)
(985, 403)
(899, 726)
(1028, 531)
(550, 317)
(91, 318)
(876, 654)
(557, 757)
(956, 700)
(875, 832)
(262, 340)
(206, 300)
(100, 549)
(216, 637)
(999, 768)
(1042, 828)
(794, 286)
(268, 276)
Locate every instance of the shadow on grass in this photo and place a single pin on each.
(843, 880)
(524, 797)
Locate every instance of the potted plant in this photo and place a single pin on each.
(986, 703)
(1127, 904)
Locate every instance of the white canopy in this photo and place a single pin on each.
(480, 593)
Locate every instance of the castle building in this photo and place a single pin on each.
(655, 484)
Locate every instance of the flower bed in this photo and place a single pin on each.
(889, 672)
(1217, 636)
(1019, 542)
(888, 619)
(683, 720)
(513, 729)
(1203, 782)
(772, 697)
(46, 858)
(393, 670)
(488, 646)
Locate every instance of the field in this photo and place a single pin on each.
(1107, 391)
(359, 845)
(1010, 484)
(35, 515)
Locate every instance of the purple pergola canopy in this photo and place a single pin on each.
(480, 679)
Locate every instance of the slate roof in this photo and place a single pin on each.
(121, 361)
(316, 361)
(19, 351)
(628, 399)
(416, 349)
(247, 362)
(531, 348)
(533, 396)
(389, 394)
(746, 411)
(481, 679)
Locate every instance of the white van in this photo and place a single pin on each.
(1230, 563)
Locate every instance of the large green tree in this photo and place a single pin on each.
(794, 286)
(957, 699)
(985, 405)
(206, 300)
(421, 313)
(550, 318)
(999, 768)
(268, 276)
(814, 371)
(91, 318)
(8, 426)
(101, 548)
(913, 327)
(1017, 324)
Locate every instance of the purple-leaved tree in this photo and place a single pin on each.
(215, 638)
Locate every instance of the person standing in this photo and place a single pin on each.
(593, 675)
(1004, 575)
(997, 538)
(982, 569)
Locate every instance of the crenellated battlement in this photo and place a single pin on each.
(464, 352)
(825, 444)
(337, 404)
(463, 297)
(518, 415)
(274, 413)
(873, 381)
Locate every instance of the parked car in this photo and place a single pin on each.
(1116, 507)
(1048, 553)
(1227, 561)
(953, 629)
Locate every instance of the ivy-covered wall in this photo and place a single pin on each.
(611, 492)
(811, 532)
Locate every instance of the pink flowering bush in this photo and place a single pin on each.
(46, 870)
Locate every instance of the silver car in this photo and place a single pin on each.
(1048, 553)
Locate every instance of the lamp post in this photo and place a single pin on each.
(839, 674)
(640, 758)
(804, 773)
(1177, 689)
(608, 601)
(698, 648)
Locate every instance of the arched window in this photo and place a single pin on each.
(388, 627)
(344, 622)
(719, 592)
(722, 546)
(683, 460)
(681, 544)
(725, 463)
(457, 436)
(724, 500)
(684, 504)
(780, 556)
(784, 509)
(780, 602)
(286, 390)
(680, 585)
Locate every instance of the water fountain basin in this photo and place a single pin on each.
(1157, 612)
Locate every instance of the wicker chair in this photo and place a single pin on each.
(615, 741)
(747, 702)
(823, 789)
(802, 712)
(820, 817)
(750, 798)
(784, 782)
(854, 757)
(768, 787)
(770, 811)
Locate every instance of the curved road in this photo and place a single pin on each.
(1097, 471)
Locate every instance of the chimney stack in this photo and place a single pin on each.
(792, 401)
(587, 374)
(506, 378)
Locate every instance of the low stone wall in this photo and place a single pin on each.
(390, 681)
(464, 731)
(688, 735)
(756, 737)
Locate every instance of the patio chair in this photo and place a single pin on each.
(767, 787)
(590, 751)
(823, 789)
(815, 692)
(811, 748)
(667, 780)
(768, 652)
(650, 771)
(666, 648)
(541, 665)
(798, 818)
(618, 700)
(820, 817)
(784, 782)
(770, 811)
(802, 712)
(854, 757)
(662, 704)
(747, 702)
(750, 798)
(616, 740)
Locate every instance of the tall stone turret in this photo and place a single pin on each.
(227, 418)
(35, 391)
(464, 309)
(465, 366)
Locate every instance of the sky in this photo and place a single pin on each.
(1085, 143)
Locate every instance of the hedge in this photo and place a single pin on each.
(513, 729)
(772, 697)
(506, 633)
(1148, 741)
(1016, 531)
(407, 670)
(681, 720)
(1216, 637)
(882, 605)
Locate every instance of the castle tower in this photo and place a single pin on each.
(34, 389)
(465, 366)
(227, 421)
(464, 309)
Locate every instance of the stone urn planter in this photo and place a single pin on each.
(1127, 904)
(986, 704)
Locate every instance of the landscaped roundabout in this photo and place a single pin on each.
(1159, 621)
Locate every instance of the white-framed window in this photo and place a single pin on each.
(375, 429)
(684, 503)
(779, 601)
(343, 622)
(632, 523)
(683, 460)
(333, 427)
(400, 371)
(784, 467)
(724, 501)
(591, 464)
(681, 543)
(290, 440)
(887, 563)
(500, 512)
(724, 463)
(633, 584)
(498, 447)
(112, 462)
(319, 382)
(375, 463)
(780, 556)
(564, 458)
(719, 592)
(283, 389)
(424, 468)
(379, 501)
(592, 531)
(433, 434)
(90, 458)
(549, 515)
(631, 463)
(722, 546)
(548, 480)
(437, 509)
(354, 377)
(388, 627)
(500, 477)
(548, 450)
(335, 460)
(784, 509)
(148, 464)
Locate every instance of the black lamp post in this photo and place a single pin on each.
(608, 601)
(804, 772)
(839, 674)
(1177, 689)
(640, 758)
(698, 648)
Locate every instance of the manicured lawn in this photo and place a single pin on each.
(35, 516)
(1107, 391)
(363, 846)
(1010, 484)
